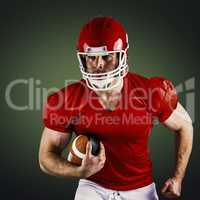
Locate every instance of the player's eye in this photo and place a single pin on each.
(91, 57)
(107, 57)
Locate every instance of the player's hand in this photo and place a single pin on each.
(92, 164)
(172, 188)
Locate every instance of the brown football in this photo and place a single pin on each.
(78, 148)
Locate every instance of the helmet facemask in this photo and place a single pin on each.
(106, 80)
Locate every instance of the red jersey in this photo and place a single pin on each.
(124, 131)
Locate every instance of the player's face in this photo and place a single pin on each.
(101, 64)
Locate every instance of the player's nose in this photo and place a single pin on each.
(100, 64)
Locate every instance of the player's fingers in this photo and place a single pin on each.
(165, 187)
(88, 149)
(174, 190)
(101, 165)
(102, 148)
(169, 195)
(102, 161)
(102, 154)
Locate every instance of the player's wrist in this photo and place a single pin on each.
(177, 177)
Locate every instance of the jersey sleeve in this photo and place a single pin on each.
(163, 98)
(55, 114)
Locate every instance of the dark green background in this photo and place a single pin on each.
(38, 41)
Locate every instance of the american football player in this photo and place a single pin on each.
(119, 107)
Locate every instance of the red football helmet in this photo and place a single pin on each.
(102, 36)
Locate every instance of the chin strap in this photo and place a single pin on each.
(115, 196)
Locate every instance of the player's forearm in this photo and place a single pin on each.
(184, 140)
(56, 165)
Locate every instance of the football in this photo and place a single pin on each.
(78, 148)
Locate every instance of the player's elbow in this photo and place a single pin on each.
(42, 168)
(187, 128)
(42, 163)
(186, 134)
